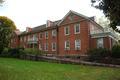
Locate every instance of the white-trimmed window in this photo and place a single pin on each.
(46, 35)
(77, 44)
(53, 33)
(67, 45)
(77, 28)
(21, 39)
(46, 46)
(100, 43)
(40, 47)
(67, 30)
(25, 38)
(53, 46)
(40, 35)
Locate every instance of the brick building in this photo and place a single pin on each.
(73, 34)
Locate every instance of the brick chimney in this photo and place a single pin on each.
(49, 23)
(28, 29)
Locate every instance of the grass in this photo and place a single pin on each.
(15, 69)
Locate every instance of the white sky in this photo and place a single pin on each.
(35, 12)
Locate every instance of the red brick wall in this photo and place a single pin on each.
(83, 36)
(106, 41)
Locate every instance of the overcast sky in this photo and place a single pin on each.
(35, 12)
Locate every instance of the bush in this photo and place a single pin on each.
(98, 54)
(11, 52)
(5, 53)
(32, 51)
(116, 51)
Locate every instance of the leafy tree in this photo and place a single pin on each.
(103, 21)
(1, 1)
(7, 26)
(111, 9)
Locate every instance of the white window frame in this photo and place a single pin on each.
(46, 46)
(54, 33)
(53, 45)
(68, 30)
(67, 48)
(75, 27)
(40, 35)
(76, 44)
(100, 43)
(40, 47)
(46, 33)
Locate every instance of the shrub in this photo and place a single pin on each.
(5, 53)
(32, 51)
(116, 51)
(98, 54)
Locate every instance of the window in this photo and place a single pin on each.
(77, 28)
(46, 46)
(67, 45)
(46, 35)
(53, 33)
(21, 39)
(77, 44)
(71, 18)
(54, 46)
(25, 39)
(40, 35)
(40, 47)
(100, 43)
(66, 30)
(35, 37)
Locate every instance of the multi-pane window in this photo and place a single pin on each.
(25, 38)
(66, 30)
(67, 45)
(77, 44)
(46, 46)
(46, 35)
(77, 28)
(53, 46)
(40, 47)
(41, 35)
(53, 33)
(35, 37)
(100, 43)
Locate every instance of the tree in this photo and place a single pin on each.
(1, 1)
(111, 9)
(7, 26)
(103, 22)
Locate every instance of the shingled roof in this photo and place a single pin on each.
(39, 28)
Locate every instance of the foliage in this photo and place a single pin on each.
(98, 54)
(103, 22)
(11, 52)
(1, 1)
(111, 9)
(33, 51)
(6, 28)
(116, 51)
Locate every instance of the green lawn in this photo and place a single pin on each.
(15, 69)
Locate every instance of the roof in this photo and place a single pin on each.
(85, 17)
(39, 28)
(58, 22)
